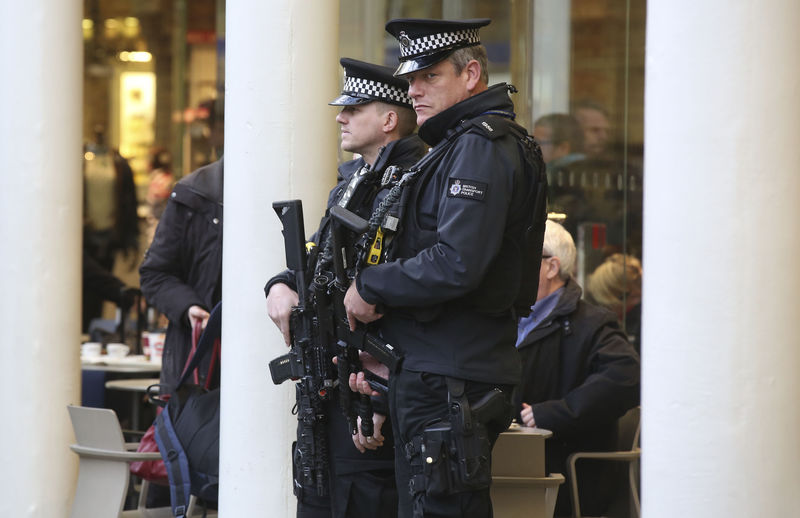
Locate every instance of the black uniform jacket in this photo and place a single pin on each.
(457, 270)
(183, 265)
(403, 152)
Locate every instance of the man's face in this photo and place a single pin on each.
(544, 136)
(436, 88)
(545, 277)
(361, 126)
(596, 130)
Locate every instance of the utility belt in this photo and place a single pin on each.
(454, 455)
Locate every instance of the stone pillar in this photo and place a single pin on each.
(282, 69)
(540, 58)
(40, 270)
(721, 282)
(552, 30)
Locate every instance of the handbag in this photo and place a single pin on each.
(154, 470)
(150, 470)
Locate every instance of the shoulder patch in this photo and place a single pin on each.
(464, 188)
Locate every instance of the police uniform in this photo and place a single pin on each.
(454, 271)
(360, 484)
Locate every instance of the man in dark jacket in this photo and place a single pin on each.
(445, 296)
(579, 374)
(182, 270)
(377, 123)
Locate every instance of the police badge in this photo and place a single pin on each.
(403, 38)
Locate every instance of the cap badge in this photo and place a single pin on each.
(403, 38)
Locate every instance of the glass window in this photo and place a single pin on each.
(579, 69)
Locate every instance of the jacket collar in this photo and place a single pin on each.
(495, 98)
(569, 299)
(406, 149)
(207, 181)
(566, 305)
(397, 152)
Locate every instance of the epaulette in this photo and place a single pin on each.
(492, 126)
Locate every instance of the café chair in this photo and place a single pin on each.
(104, 474)
(628, 431)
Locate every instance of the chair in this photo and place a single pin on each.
(104, 468)
(629, 427)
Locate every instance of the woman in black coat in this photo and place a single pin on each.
(182, 269)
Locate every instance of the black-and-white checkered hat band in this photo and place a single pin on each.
(376, 90)
(426, 44)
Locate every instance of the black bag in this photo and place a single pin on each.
(187, 430)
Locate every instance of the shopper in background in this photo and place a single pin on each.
(160, 183)
(561, 139)
(594, 121)
(579, 374)
(617, 285)
(181, 275)
(110, 219)
(159, 188)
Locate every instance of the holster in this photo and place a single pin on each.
(454, 456)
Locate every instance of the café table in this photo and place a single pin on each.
(103, 372)
(521, 488)
(137, 387)
(136, 364)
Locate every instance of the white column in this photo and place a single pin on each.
(721, 360)
(282, 69)
(552, 30)
(40, 251)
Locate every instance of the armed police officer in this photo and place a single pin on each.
(377, 122)
(446, 297)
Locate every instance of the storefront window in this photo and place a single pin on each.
(152, 113)
(152, 79)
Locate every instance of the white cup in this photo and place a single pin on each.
(91, 349)
(156, 343)
(117, 350)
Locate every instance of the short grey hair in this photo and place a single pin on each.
(559, 243)
(461, 57)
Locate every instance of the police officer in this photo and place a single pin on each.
(445, 295)
(377, 122)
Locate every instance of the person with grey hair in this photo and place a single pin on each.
(579, 374)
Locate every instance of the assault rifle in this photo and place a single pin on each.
(306, 361)
(319, 326)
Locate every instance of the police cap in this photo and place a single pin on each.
(365, 82)
(426, 42)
